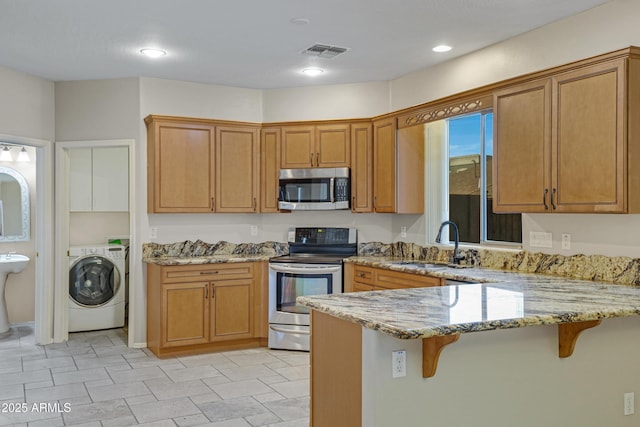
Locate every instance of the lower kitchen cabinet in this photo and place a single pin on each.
(199, 308)
(361, 278)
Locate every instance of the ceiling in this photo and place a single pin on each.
(253, 43)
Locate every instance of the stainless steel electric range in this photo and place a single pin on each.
(313, 267)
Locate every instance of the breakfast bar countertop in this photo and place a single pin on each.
(499, 300)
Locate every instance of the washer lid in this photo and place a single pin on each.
(93, 281)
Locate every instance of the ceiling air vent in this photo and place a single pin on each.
(324, 51)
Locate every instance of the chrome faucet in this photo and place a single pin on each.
(8, 255)
(456, 258)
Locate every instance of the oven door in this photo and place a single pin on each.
(290, 281)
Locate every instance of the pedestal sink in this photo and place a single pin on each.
(9, 263)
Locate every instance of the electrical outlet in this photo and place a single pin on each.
(403, 231)
(629, 400)
(540, 239)
(153, 233)
(566, 241)
(399, 363)
(254, 230)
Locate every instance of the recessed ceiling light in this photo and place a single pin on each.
(313, 71)
(153, 53)
(299, 21)
(442, 48)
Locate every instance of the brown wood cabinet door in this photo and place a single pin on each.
(298, 143)
(332, 146)
(384, 165)
(361, 167)
(180, 162)
(588, 163)
(522, 148)
(237, 173)
(410, 170)
(185, 314)
(269, 169)
(232, 309)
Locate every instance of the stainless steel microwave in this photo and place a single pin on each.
(314, 189)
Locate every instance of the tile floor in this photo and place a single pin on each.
(94, 379)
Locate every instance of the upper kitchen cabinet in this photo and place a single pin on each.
(564, 143)
(99, 179)
(522, 148)
(269, 168)
(180, 166)
(398, 168)
(201, 166)
(308, 146)
(237, 169)
(361, 167)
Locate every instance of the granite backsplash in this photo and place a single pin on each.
(620, 270)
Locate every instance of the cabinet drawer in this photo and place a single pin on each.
(363, 274)
(177, 274)
(399, 280)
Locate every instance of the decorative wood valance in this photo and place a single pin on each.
(438, 112)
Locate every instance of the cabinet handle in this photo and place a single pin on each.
(206, 292)
(318, 159)
(208, 272)
(255, 204)
(311, 159)
(213, 204)
(361, 274)
(553, 205)
(544, 199)
(375, 203)
(213, 291)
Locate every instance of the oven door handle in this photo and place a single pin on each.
(305, 270)
(289, 331)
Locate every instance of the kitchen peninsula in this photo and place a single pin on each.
(502, 374)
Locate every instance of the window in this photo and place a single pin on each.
(470, 141)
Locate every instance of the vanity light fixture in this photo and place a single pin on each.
(5, 155)
(313, 71)
(441, 48)
(23, 156)
(153, 53)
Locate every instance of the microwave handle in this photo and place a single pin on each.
(332, 183)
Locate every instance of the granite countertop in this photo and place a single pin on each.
(205, 259)
(199, 252)
(499, 300)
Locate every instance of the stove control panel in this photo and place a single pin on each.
(322, 235)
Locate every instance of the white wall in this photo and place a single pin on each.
(506, 378)
(348, 101)
(605, 28)
(26, 111)
(26, 106)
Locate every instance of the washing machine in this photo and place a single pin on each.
(96, 287)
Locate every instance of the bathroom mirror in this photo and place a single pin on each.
(14, 206)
